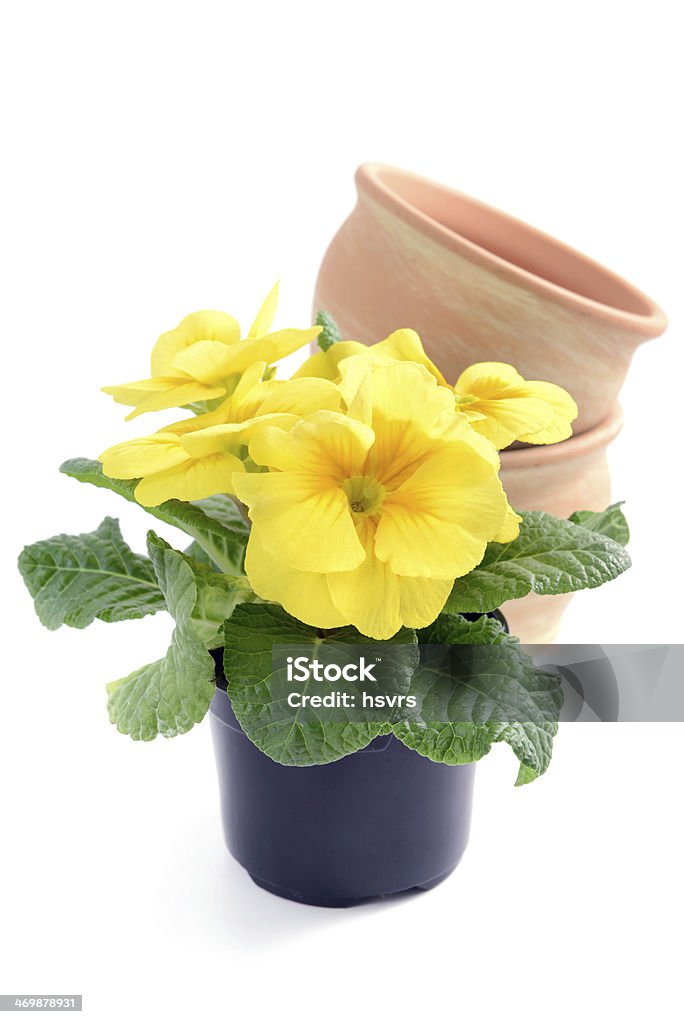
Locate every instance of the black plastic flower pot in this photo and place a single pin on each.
(382, 821)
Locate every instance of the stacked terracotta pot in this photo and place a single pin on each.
(479, 285)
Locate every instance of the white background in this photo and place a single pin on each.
(161, 158)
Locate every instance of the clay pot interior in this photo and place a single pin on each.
(506, 238)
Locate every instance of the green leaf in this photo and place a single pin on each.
(477, 688)
(75, 578)
(171, 695)
(223, 509)
(611, 522)
(258, 691)
(215, 523)
(457, 629)
(445, 742)
(550, 556)
(330, 333)
(525, 775)
(198, 554)
(217, 597)
(532, 744)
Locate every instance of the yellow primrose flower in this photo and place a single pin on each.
(499, 404)
(203, 358)
(367, 518)
(504, 407)
(197, 457)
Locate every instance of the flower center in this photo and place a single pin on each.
(365, 494)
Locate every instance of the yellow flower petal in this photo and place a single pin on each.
(303, 594)
(369, 596)
(266, 314)
(327, 443)
(284, 343)
(133, 459)
(249, 382)
(410, 411)
(230, 436)
(326, 364)
(207, 361)
(510, 527)
(563, 411)
(206, 325)
(421, 600)
(405, 346)
(300, 397)
(135, 391)
(488, 380)
(503, 407)
(222, 438)
(222, 414)
(304, 521)
(379, 602)
(438, 522)
(241, 405)
(406, 392)
(191, 480)
(506, 420)
(172, 394)
(356, 375)
(460, 428)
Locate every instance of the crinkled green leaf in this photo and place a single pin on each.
(550, 556)
(330, 333)
(476, 686)
(215, 523)
(532, 744)
(457, 629)
(258, 693)
(218, 594)
(75, 578)
(171, 695)
(611, 522)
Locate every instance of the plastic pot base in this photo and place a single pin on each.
(332, 902)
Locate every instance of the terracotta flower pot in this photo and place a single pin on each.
(479, 285)
(557, 478)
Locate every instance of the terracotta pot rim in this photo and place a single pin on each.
(371, 180)
(575, 447)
